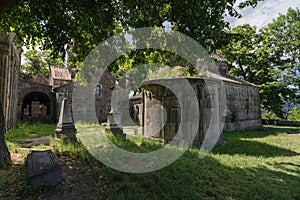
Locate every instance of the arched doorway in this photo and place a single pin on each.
(36, 106)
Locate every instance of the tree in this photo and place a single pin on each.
(89, 22)
(4, 153)
(269, 58)
(294, 114)
(5, 5)
(38, 61)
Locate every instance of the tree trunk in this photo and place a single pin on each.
(4, 153)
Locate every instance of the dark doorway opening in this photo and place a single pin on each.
(36, 106)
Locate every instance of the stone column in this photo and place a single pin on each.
(9, 70)
(114, 116)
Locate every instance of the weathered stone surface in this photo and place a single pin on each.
(237, 105)
(10, 61)
(65, 124)
(34, 89)
(114, 123)
(43, 169)
(103, 95)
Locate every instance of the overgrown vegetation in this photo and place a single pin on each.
(292, 115)
(254, 164)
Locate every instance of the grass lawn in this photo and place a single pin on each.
(26, 130)
(254, 164)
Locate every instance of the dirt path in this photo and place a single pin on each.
(81, 182)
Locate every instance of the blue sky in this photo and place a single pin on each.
(264, 12)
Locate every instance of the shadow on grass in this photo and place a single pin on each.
(253, 148)
(193, 178)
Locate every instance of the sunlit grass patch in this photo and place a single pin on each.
(25, 130)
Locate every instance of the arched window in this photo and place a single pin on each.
(98, 91)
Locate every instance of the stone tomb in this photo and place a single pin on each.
(224, 103)
(43, 169)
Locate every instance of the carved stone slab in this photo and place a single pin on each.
(43, 169)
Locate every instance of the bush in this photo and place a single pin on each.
(294, 115)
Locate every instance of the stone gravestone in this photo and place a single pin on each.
(43, 169)
(114, 116)
(65, 123)
(35, 108)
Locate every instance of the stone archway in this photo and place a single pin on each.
(37, 106)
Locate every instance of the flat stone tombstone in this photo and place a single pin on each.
(43, 169)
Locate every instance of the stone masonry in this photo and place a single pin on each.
(158, 111)
(10, 61)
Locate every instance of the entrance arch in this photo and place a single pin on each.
(36, 106)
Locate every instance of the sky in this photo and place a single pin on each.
(264, 12)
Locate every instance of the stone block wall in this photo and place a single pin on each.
(10, 61)
(29, 91)
(103, 93)
(231, 103)
(243, 106)
(162, 116)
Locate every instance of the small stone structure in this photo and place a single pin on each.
(36, 100)
(43, 169)
(10, 61)
(158, 111)
(50, 92)
(46, 93)
(59, 77)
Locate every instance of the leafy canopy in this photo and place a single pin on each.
(269, 58)
(38, 61)
(53, 23)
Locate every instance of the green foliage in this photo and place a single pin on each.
(270, 115)
(52, 24)
(294, 115)
(167, 72)
(38, 61)
(269, 58)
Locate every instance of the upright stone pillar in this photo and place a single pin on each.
(114, 116)
(65, 125)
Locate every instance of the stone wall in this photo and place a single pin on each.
(103, 93)
(91, 103)
(243, 106)
(29, 91)
(10, 61)
(222, 101)
(162, 115)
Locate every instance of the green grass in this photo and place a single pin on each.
(254, 164)
(23, 131)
